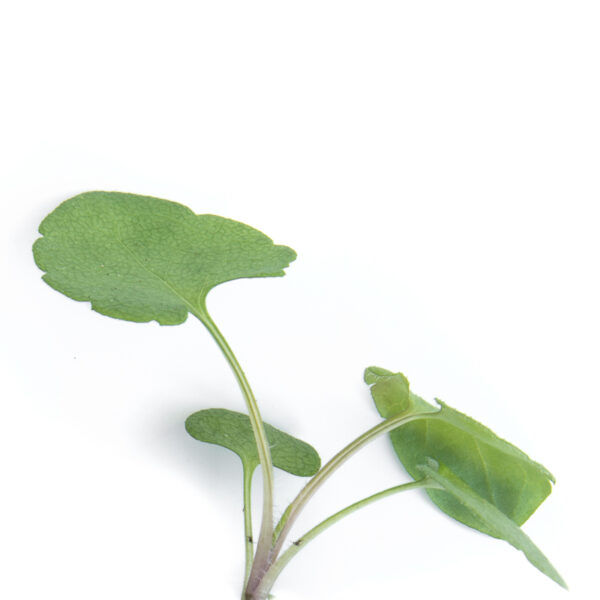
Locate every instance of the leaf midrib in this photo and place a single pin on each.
(493, 441)
(484, 465)
(191, 307)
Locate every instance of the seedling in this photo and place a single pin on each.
(141, 259)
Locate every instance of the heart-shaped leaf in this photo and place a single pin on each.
(495, 520)
(140, 258)
(233, 430)
(497, 471)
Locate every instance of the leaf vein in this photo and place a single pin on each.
(188, 304)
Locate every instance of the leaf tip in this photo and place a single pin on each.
(562, 583)
(373, 374)
(287, 255)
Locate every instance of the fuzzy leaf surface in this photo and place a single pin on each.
(141, 258)
(233, 430)
(497, 471)
(494, 519)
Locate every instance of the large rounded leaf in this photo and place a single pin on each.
(233, 430)
(140, 258)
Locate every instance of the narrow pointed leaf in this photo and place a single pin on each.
(233, 430)
(497, 471)
(140, 258)
(494, 519)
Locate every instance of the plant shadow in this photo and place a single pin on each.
(163, 435)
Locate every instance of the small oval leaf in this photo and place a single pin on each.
(141, 258)
(233, 430)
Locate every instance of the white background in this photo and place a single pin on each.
(434, 164)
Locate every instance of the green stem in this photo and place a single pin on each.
(296, 506)
(264, 454)
(248, 541)
(284, 559)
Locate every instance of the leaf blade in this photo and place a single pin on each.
(495, 520)
(390, 391)
(498, 471)
(140, 258)
(232, 430)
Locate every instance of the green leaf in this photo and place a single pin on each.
(390, 391)
(497, 471)
(494, 519)
(233, 430)
(140, 258)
